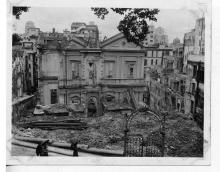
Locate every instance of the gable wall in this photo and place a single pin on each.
(121, 44)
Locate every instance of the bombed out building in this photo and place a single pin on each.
(74, 70)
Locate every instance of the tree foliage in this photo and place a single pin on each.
(17, 11)
(134, 25)
(15, 39)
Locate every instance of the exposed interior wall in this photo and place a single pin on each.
(46, 92)
(50, 64)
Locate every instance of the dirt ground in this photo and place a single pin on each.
(182, 136)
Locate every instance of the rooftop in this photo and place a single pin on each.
(196, 58)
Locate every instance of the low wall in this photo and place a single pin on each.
(21, 105)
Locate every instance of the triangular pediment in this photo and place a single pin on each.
(119, 42)
(75, 43)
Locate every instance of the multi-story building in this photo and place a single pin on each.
(195, 85)
(72, 71)
(189, 45)
(18, 74)
(149, 41)
(160, 37)
(89, 33)
(200, 37)
(180, 84)
(154, 59)
(29, 46)
(24, 58)
(193, 67)
(194, 41)
(176, 41)
(174, 83)
(178, 56)
(156, 37)
(159, 82)
(176, 80)
(168, 89)
(29, 24)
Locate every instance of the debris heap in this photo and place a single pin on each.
(72, 124)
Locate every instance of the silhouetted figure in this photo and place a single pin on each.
(74, 147)
(41, 149)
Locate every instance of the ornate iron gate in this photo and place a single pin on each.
(134, 145)
(152, 149)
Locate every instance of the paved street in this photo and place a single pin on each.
(25, 151)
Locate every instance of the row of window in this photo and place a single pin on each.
(154, 54)
(109, 68)
(152, 62)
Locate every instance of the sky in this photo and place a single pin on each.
(175, 22)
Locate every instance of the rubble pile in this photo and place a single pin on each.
(56, 124)
(182, 135)
(55, 109)
(47, 118)
(58, 109)
(77, 108)
(105, 131)
(184, 138)
(115, 106)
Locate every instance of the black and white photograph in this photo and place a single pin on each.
(91, 82)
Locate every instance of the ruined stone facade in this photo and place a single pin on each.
(78, 74)
(72, 72)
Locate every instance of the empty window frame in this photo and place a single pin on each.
(109, 69)
(53, 96)
(154, 53)
(75, 69)
(145, 62)
(159, 54)
(149, 53)
(131, 67)
(131, 71)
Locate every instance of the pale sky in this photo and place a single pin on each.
(175, 22)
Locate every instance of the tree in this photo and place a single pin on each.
(15, 39)
(17, 11)
(134, 24)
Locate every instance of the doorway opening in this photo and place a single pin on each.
(92, 107)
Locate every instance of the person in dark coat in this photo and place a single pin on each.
(74, 147)
(41, 149)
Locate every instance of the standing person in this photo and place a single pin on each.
(74, 147)
(41, 149)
